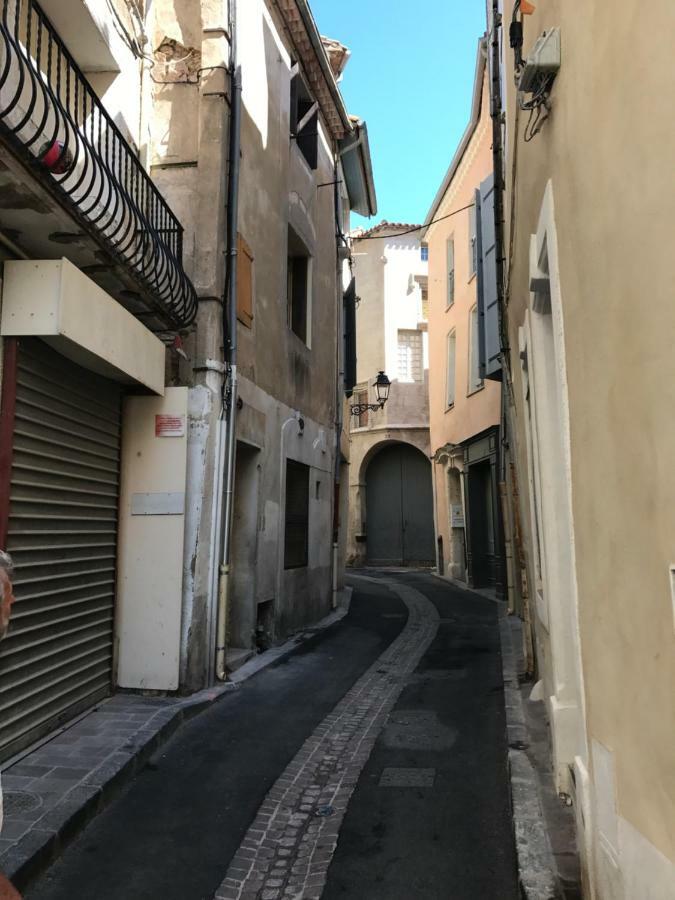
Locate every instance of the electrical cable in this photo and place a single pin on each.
(379, 237)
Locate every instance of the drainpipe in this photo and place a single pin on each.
(339, 388)
(228, 416)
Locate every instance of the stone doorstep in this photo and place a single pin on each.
(131, 728)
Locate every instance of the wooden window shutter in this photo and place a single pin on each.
(244, 282)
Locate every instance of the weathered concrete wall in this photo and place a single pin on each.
(276, 433)
(189, 130)
(593, 185)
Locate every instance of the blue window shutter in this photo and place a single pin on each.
(488, 302)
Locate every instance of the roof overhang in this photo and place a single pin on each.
(357, 167)
(315, 64)
(466, 137)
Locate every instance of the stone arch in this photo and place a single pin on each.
(397, 504)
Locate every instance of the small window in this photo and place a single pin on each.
(450, 255)
(473, 243)
(244, 282)
(410, 361)
(360, 398)
(298, 286)
(304, 120)
(297, 515)
(475, 381)
(425, 305)
(450, 371)
(424, 253)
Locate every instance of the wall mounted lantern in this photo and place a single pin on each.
(382, 385)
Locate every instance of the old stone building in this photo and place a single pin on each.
(391, 509)
(176, 185)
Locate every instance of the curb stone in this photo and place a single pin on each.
(62, 821)
(536, 868)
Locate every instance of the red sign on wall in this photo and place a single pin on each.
(169, 426)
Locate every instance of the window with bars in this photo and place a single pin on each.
(450, 370)
(298, 286)
(296, 523)
(450, 256)
(475, 380)
(473, 242)
(410, 358)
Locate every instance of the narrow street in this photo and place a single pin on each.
(369, 764)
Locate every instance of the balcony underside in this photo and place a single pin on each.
(33, 219)
(70, 183)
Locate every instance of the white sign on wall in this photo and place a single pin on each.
(457, 516)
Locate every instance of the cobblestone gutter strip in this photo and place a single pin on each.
(536, 868)
(53, 791)
(289, 847)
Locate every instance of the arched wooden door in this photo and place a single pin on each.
(399, 508)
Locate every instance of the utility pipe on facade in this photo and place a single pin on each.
(339, 386)
(228, 419)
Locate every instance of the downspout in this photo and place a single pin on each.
(339, 387)
(228, 416)
(496, 113)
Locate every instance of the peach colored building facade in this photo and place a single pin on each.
(464, 408)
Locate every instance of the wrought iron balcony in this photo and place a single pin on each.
(53, 122)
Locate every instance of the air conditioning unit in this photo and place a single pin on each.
(542, 63)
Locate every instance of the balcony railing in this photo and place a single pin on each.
(54, 122)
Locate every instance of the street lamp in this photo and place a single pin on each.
(382, 385)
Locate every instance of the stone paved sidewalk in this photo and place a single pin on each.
(53, 790)
(288, 848)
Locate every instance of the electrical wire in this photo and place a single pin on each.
(380, 237)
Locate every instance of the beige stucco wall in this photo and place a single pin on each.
(475, 411)
(607, 152)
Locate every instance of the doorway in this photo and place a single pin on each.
(399, 508)
(243, 613)
(482, 525)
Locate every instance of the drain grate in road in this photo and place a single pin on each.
(17, 802)
(401, 777)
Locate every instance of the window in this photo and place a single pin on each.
(410, 361)
(450, 371)
(297, 515)
(425, 305)
(473, 243)
(298, 286)
(244, 282)
(424, 253)
(361, 396)
(304, 120)
(450, 255)
(475, 381)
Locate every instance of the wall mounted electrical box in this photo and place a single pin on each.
(542, 63)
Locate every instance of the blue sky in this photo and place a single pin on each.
(410, 77)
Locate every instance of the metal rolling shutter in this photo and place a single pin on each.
(57, 657)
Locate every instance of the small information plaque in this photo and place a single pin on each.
(169, 426)
(457, 516)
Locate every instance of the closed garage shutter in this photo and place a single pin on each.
(57, 657)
